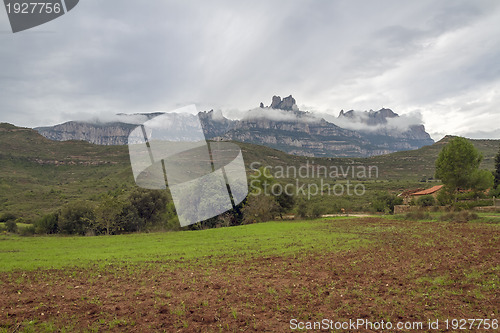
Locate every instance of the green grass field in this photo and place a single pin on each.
(273, 238)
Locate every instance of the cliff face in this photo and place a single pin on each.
(281, 126)
(380, 128)
(100, 134)
(312, 138)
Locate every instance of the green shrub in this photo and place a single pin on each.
(285, 203)
(459, 217)
(48, 224)
(302, 209)
(445, 197)
(27, 231)
(11, 226)
(385, 202)
(76, 218)
(7, 217)
(316, 211)
(259, 208)
(495, 192)
(149, 205)
(466, 196)
(468, 205)
(426, 201)
(418, 215)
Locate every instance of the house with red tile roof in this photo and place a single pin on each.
(410, 194)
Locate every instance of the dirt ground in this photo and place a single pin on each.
(443, 271)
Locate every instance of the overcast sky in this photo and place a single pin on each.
(437, 58)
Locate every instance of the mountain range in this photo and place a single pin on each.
(281, 125)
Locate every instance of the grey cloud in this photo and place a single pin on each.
(482, 134)
(358, 123)
(278, 115)
(109, 57)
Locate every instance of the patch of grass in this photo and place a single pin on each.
(264, 239)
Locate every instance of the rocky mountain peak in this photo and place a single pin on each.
(288, 103)
(369, 117)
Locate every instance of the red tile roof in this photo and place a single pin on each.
(431, 190)
(408, 193)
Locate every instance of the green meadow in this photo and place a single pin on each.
(222, 244)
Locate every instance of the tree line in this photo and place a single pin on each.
(142, 211)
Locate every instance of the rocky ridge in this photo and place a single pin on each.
(281, 125)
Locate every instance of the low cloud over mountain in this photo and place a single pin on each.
(280, 125)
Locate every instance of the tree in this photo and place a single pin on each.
(302, 209)
(285, 202)
(76, 218)
(262, 181)
(482, 180)
(149, 205)
(497, 170)
(129, 219)
(445, 196)
(259, 208)
(316, 211)
(47, 224)
(11, 226)
(107, 214)
(457, 164)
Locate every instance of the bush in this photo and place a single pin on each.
(418, 215)
(260, 208)
(285, 203)
(27, 231)
(149, 206)
(316, 211)
(445, 197)
(7, 217)
(426, 201)
(466, 196)
(385, 202)
(468, 205)
(11, 226)
(495, 192)
(302, 209)
(171, 219)
(459, 217)
(48, 224)
(76, 218)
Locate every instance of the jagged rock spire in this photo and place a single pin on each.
(288, 103)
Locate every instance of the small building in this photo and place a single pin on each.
(410, 194)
